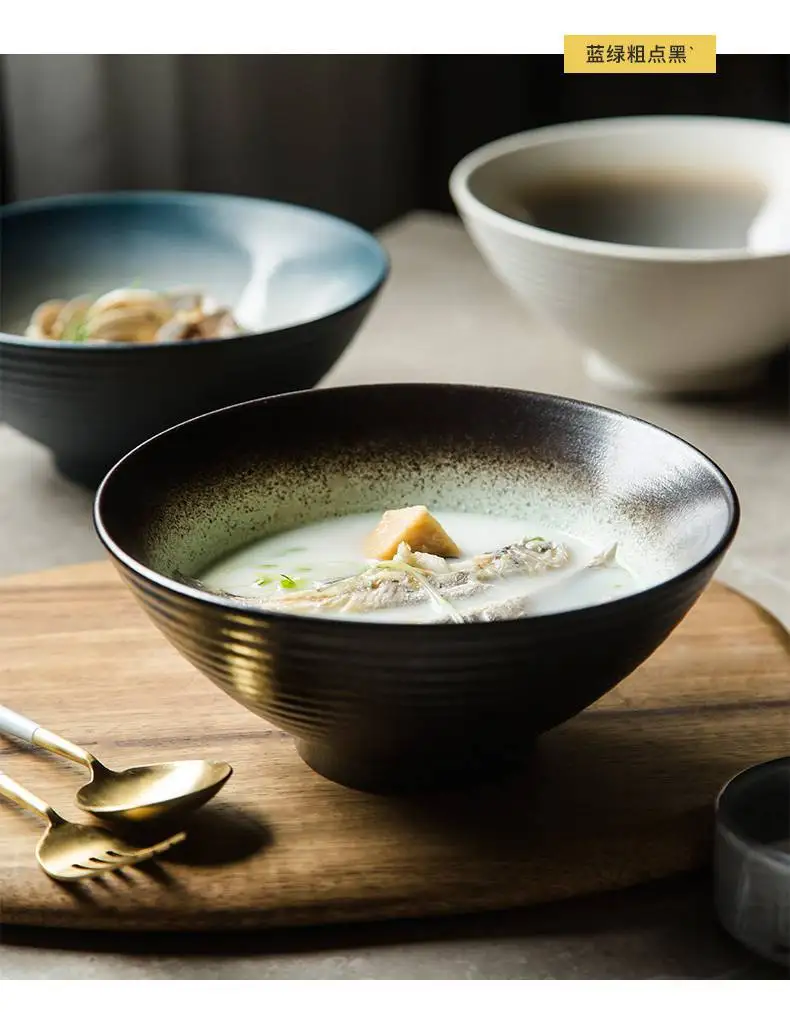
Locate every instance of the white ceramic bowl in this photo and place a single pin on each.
(664, 319)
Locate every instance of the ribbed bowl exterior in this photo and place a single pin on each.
(385, 709)
(393, 707)
(92, 406)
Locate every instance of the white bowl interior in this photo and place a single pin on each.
(719, 151)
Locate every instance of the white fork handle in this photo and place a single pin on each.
(28, 730)
(17, 725)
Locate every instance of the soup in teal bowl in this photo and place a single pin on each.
(305, 282)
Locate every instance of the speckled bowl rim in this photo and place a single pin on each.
(471, 205)
(189, 198)
(426, 631)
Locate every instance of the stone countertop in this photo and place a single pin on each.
(443, 317)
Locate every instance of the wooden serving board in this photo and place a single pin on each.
(622, 794)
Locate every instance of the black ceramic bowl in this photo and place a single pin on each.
(392, 706)
(91, 403)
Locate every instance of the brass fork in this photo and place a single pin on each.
(69, 850)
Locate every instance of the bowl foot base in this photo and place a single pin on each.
(407, 772)
(734, 379)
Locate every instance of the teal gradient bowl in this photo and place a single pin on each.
(91, 403)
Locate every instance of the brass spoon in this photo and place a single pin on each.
(70, 851)
(139, 794)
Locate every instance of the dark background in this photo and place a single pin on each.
(455, 104)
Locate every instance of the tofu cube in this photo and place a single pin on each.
(415, 526)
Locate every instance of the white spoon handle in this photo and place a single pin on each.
(17, 725)
(28, 730)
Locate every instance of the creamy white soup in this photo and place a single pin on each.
(486, 568)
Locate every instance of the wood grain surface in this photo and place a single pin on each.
(621, 794)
